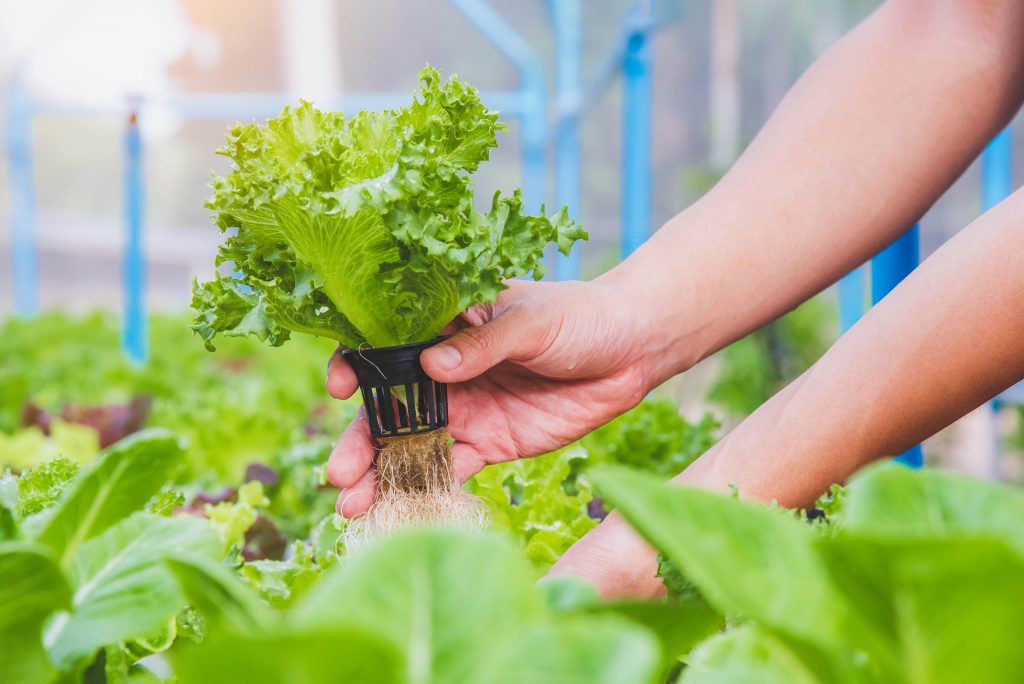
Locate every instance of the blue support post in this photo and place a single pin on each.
(567, 18)
(535, 166)
(997, 170)
(24, 253)
(134, 332)
(637, 100)
(851, 298)
(888, 269)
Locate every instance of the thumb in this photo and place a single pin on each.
(472, 351)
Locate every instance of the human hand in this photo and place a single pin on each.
(615, 559)
(542, 366)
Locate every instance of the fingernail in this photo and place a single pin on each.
(446, 357)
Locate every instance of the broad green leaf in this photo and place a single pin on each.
(891, 502)
(743, 556)
(939, 610)
(119, 483)
(122, 587)
(746, 655)
(566, 593)
(442, 598)
(591, 650)
(678, 626)
(460, 607)
(321, 656)
(31, 588)
(216, 591)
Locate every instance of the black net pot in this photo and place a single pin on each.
(400, 398)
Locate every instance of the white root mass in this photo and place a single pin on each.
(416, 487)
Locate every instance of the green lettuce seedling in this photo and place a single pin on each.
(363, 229)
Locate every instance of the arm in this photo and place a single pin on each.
(948, 338)
(861, 146)
(864, 142)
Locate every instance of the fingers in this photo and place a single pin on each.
(473, 350)
(352, 455)
(355, 500)
(466, 461)
(341, 379)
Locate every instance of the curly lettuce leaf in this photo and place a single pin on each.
(363, 229)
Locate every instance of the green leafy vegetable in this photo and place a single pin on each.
(528, 498)
(117, 484)
(364, 229)
(122, 588)
(907, 589)
(232, 519)
(31, 588)
(652, 437)
(400, 611)
(40, 486)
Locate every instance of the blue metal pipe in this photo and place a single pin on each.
(997, 170)
(637, 99)
(24, 253)
(266, 105)
(134, 330)
(894, 263)
(852, 289)
(888, 269)
(567, 16)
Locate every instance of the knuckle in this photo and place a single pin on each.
(477, 340)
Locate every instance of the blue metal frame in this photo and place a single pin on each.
(528, 103)
(567, 20)
(532, 94)
(134, 337)
(637, 103)
(24, 254)
(852, 301)
(997, 170)
(888, 270)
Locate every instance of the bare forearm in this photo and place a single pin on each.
(946, 340)
(866, 140)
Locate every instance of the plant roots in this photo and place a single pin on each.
(416, 486)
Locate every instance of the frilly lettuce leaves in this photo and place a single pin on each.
(363, 229)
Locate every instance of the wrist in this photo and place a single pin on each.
(665, 310)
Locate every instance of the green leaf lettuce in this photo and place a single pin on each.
(363, 229)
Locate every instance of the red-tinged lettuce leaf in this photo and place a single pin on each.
(364, 229)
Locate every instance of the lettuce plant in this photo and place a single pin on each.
(363, 229)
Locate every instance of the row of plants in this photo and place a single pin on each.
(137, 566)
(910, 578)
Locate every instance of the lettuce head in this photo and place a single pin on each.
(363, 229)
